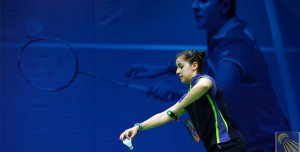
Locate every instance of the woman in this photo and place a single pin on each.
(235, 61)
(204, 102)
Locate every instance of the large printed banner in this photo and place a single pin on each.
(93, 40)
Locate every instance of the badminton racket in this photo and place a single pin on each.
(51, 64)
(189, 125)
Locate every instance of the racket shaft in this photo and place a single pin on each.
(136, 87)
(183, 123)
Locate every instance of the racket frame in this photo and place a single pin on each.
(136, 87)
(198, 138)
(172, 115)
(55, 40)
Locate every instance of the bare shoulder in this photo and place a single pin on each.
(205, 82)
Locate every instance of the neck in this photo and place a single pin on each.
(193, 75)
(216, 28)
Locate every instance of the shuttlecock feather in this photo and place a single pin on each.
(128, 143)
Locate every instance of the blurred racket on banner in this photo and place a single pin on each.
(51, 64)
(189, 125)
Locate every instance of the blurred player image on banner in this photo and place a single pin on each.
(205, 105)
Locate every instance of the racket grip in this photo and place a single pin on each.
(145, 89)
(172, 115)
(139, 88)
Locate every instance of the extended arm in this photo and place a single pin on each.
(155, 121)
(163, 92)
(146, 70)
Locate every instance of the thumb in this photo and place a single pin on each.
(141, 75)
(133, 134)
(149, 93)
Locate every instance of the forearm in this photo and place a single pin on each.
(156, 120)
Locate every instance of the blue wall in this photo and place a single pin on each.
(90, 114)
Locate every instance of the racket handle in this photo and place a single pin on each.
(172, 115)
(136, 87)
(139, 88)
(145, 89)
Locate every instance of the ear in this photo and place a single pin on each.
(195, 65)
(226, 4)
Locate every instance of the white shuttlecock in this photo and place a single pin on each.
(128, 143)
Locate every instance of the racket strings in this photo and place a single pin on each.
(192, 130)
(47, 68)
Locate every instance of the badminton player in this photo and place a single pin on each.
(205, 105)
(235, 61)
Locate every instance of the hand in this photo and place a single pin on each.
(177, 111)
(161, 91)
(131, 131)
(145, 70)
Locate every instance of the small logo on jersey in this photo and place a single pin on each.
(287, 141)
(224, 53)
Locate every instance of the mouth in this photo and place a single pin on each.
(198, 15)
(199, 18)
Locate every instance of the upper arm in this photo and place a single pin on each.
(238, 49)
(205, 83)
(228, 74)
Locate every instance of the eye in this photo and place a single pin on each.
(180, 67)
(203, 1)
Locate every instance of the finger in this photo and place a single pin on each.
(133, 68)
(130, 71)
(135, 73)
(127, 73)
(133, 134)
(121, 136)
(150, 90)
(127, 133)
(163, 92)
(142, 75)
(176, 117)
(154, 92)
(173, 116)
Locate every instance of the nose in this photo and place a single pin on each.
(195, 5)
(177, 71)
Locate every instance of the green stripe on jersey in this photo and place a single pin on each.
(216, 118)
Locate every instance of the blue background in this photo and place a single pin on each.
(109, 36)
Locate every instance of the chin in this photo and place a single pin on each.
(184, 82)
(201, 26)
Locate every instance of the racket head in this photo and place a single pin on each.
(47, 63)
(192, 130)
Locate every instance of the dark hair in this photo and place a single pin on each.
(232, 9)
(192, 56)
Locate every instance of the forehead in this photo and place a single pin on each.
(180, 60)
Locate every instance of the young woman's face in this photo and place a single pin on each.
(208, 14)
(184, 70)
